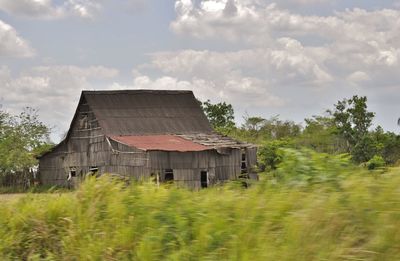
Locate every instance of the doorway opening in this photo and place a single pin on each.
(71, 173)
(169, 175)
(204, 179)
(243, 164)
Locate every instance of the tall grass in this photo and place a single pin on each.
(104, 220)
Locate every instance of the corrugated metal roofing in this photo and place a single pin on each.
(145, 112)
(161, 143)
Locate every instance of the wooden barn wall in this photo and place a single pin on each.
(251, 155)
(128, 161)
(86, 148)
(50, 167)
(123, 160)
(187, 166)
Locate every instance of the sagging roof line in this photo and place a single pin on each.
(137, 91)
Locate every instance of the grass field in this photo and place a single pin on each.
(357, 217)
(8, 197)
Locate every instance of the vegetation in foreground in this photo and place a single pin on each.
(327, 193)
(312, 207)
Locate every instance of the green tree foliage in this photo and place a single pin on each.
(346, 129)
(220, 115)
(376, 162)
(22, 138)
(253, 124)
(387, 145)
(274, 128)
(259, 130)
(303, 167)
(319, 134)
(268, 153)
(353, 120)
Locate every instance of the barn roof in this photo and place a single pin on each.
(147, 112)
(166, 120)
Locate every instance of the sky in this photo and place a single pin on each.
(292, 58)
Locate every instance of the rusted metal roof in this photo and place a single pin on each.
(161, 143)
(147, 112)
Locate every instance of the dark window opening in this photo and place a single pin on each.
(71, 173)
(83, 121)
(204, 179)
(168, 175)
(243, 165)
(93, 170)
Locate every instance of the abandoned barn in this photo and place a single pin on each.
(144, 134)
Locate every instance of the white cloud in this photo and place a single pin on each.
(52, 9)
(48, 9)
(309, 61)
(288, 61)
(11, 44)
(310, 2)
(358, 77)
(83, 8)
(53, 90)
(31, 8)
(44, 9)
(314, 49)
(235, 90)
(255, 23)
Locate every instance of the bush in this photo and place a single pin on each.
(306, 167)
(268, 156)
(377, 162)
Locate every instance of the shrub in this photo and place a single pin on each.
(268, 156)
(377, 162)
(306, 167)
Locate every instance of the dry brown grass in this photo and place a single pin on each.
(9, 197)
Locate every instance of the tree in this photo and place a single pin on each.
(220, 115)
(320, 135)
(268, 153)
(274, 128)
(253, 124)
(22, 139)
(387, 145)
(352, 121)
